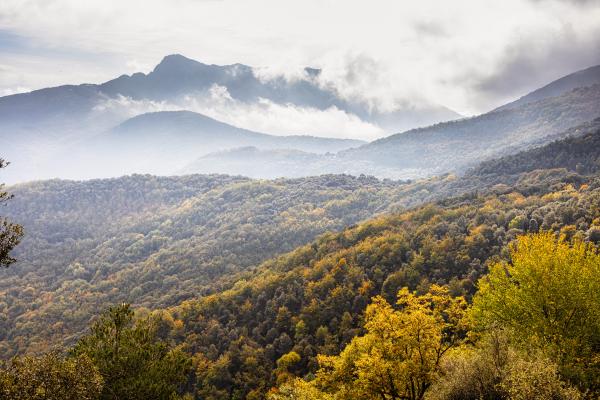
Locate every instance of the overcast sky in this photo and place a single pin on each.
(467, 55)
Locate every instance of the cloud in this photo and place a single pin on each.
(391, 52)
(531, 62)
(263, 116)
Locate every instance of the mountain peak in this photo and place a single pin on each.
(176, 62)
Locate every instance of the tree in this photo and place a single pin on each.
(491, 370)
(50, 377)
(134, 363)
(547, 297)
(10, 234)
(398, 357)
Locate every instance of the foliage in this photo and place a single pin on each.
(311, 301)
(399, 356)
(578, 152)
(547, 297)
(133, 362)
(50, 377)
(10, 233)
(492, 369)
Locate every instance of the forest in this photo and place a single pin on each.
(480, 286)
(159, 241)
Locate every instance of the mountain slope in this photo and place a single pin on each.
(586, 77)
(580, 153)
(311, 301)
(446, 147)
(163, 143)
(455, 145)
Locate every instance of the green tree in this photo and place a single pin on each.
(50, 377)
(134, 363)
(10, 233)
(547, 297)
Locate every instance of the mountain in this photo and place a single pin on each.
(455, 145)
(186, 128)
(177, 75)
(164, 142)
(586, 77)
(38, 128)
(445, 147)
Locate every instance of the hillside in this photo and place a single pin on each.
(585, 77)
(446, 147)
(158, 241)
(576, 153)
(311, 301)
(163, 143)
(453, 145)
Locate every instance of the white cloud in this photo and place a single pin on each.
(263, 116)
(425, 51)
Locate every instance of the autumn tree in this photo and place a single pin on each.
(547, 297)
(133, 362)
(398, 357)
(10, 233)
(50, 377)
(491, 369)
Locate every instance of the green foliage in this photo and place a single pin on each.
(133, 362)
(547, 297)
(10, 234)
(50, 377)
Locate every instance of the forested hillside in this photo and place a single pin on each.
(207, 251)
(158, 241)
(577, 153)
(311, 301)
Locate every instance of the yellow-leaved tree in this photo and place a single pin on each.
(398, 357)
(548, 297)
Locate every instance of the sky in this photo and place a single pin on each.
(467, 55)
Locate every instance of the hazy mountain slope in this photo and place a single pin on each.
(256, 163)
(586, 77)
(579, 153)
(40, 130)
(179, 126)
(453, 145)
(438, 149)
(163, 143)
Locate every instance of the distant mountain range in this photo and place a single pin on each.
(437, 149)
(37, 128)
(165, 142)
(105, 130)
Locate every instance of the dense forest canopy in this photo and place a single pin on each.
(156, 242)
